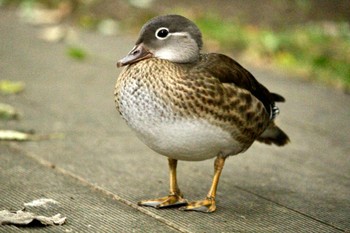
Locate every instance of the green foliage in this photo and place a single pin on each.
(76, 53)
(319, 50)
(226, 33)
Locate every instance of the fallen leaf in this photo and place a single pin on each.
(53, 34)
(33, 13)
(42, 202)
(144, 4)
(13, 135)
(57, 33)
(21, 217)
(8, 87)
(108, 27)
(7, 112)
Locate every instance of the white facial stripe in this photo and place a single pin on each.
(184, 34)
(177, 47)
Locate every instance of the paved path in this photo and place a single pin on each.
(99, 170)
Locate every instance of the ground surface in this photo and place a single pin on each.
(99, 169)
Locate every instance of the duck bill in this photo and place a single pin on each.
(138, 53)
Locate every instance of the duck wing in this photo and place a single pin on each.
(227, 70)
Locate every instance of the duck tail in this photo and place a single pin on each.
(273, 135)
(277, 97)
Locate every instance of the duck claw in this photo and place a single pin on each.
(164, 202)
(207, 206)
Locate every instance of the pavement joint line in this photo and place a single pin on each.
(98, 188)
(291, 209)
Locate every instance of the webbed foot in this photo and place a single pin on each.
(169, 201)
(207, 205)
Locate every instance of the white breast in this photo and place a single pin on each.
(188, 140)
(177, 137)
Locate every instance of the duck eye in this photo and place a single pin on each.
(162, 33)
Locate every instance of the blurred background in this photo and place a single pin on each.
(306, 38)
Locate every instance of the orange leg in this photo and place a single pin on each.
(208, 204)
(175, 197)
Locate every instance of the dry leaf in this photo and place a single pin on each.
(42, 202)
(12, 135)
(8, 87)
(21, 217)
(7, 112)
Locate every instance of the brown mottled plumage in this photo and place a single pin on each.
(191, 106)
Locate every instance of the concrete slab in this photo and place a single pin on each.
(87, 209)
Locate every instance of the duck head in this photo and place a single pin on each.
(170, 37)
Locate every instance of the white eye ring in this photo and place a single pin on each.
(162, 33)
